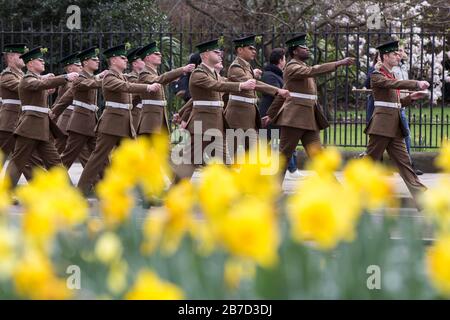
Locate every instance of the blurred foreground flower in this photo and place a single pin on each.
(167, 226)
(443, 159)
(250, 231)
(369, 181)
(323, 211)
(438, 264)
(436, 201)
(149, 286)
(34, 278)
(140, 162)
(50, 204)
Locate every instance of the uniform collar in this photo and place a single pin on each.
(86, 73)
(15, 70)
(386, 69)
(243, 62)
(299, 61)
(33, 74)
(115, 72)
(211, 70)
(151, 69)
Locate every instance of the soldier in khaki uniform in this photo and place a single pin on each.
(241, 111)
(83, 118)
(184, 113)
(71, 63)
(116, 120)
(154, 113)
(298, 116)
(33, 132)
(385, 128)
(137, 65)
(11, 108)
(206, 122)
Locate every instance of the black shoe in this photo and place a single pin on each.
(418, 172)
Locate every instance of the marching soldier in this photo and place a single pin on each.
(137, 65)
(206, 122)
(83, 99)
(35, 127)
(154, 114)
(184, 113)
(10, 110)
(385, 129)
(116, 120)
(71, 63)
(242, 111)
(300, 117)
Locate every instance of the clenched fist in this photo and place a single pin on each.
(153, 87)
(257, 73)
(423, 85)
(189, 68)
(346, 61)
(284, 93)
(248, 85)
(72, 76)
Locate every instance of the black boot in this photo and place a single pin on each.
(417, 171)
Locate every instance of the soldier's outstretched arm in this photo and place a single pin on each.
(84, 84)
(238, 74)
(169, 76)
(32, 83)
(202, 80)
(378, 80)
(297, 71)
(114, 84)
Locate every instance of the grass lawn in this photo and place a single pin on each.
(424, 133)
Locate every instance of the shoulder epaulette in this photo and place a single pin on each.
(30, 75)
(377, 72)
(200, 69)
(6, 70)
(235, 64)
(292, 62)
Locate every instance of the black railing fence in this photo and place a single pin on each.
(429, 118)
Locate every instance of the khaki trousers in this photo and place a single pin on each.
(396, 149)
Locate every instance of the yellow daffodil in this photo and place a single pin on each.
(34, 278)
(369, 180)
(438, 264)
(436, 201)
(443, 160)
(148, 286)
(258, 175)
(217, 190)
(202, 232)
(108, 248)
(236, 270)
(250, 231)
(324, 212)
(166, 227)
(140, 162)
(51, 204)
(325, 162)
